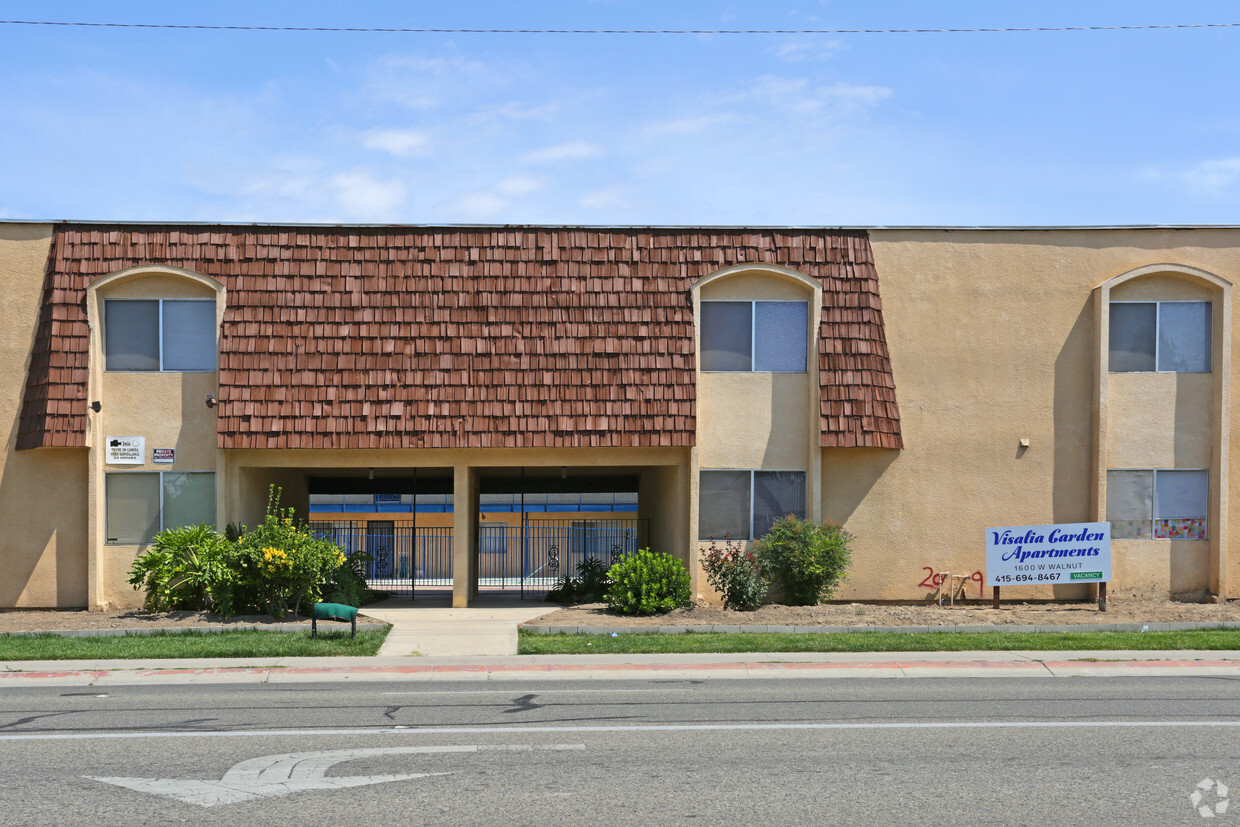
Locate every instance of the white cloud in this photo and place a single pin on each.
(1212, 177)
(607, 199)
(807, 49)
(477, 206)
(403, 143)
(517, 185)
(512, 111)
(363, 196)
(487, 204)
(800, 96)
(688, 125)
(571, 151)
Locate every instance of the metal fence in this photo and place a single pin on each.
(400, 558)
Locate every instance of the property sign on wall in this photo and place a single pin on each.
(164, 455)
(125, 450)
(1042, 554)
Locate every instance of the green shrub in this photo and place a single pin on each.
(588, 586)
(184, 569)
(280, 566)
(804, 560)
(735, 574)
(348, 583)
(647, 583)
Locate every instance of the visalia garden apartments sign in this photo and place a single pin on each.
(1048, 554)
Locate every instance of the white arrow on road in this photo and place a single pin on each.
(275, 775)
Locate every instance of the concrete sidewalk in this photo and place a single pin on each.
(429, 626)
(1012, 664)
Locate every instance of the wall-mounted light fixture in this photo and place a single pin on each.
(563, 473)
(211, 401)
(1024, 442)
(372, 474)
(96, 406)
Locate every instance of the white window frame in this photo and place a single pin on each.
(1154, 500)
(160, 473)
(753, 336)
(751, 472)
(1157, 345)
(159, 335)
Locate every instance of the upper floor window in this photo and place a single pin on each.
(1166, 337)
(159, 334)
(769, 336)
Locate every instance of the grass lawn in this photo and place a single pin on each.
(244, 643)
(701, 642)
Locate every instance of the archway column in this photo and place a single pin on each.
(465, 495)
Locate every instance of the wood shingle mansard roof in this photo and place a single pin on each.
(422, 337)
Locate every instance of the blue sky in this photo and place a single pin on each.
(1114, 127)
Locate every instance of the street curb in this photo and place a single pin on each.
(1192, 626)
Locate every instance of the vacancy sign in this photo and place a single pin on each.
(1048, 554)
(125, 450)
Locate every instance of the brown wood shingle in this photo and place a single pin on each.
(457, 337)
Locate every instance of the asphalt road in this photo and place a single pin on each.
(1083, 751)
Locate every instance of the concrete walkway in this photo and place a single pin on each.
(430, 626)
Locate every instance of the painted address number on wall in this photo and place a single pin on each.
(935, 579)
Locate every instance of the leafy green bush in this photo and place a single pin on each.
(184, 569)
(277, 567)
(348, 583)
(805, 560)
(735, 574)
(588, 586)
(647, 583)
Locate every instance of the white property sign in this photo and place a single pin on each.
(1042, 554)
(126, 450)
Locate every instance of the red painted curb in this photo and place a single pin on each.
(506, 668)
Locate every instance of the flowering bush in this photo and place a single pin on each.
(735, 574)
(281, 566)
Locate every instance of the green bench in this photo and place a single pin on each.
(333, 611)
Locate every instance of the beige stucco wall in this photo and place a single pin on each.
(168, 409)
(993, 340)
(42, 492)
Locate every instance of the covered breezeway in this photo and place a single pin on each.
(434, 531)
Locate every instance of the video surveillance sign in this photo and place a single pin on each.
(1048, 554)
(125, 450)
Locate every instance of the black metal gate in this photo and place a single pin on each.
(400, 559)
(394, 555)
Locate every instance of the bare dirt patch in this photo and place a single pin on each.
(61, 620)
(921, 614)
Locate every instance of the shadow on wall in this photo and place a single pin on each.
(848, 475)
(1073, 426)
(43, 509)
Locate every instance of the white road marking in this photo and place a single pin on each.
(508, 730)
(275, 775)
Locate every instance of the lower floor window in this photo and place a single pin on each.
(1170, 504)
(744, 505)
(141, 504)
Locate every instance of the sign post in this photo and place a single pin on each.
(1043, 555)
